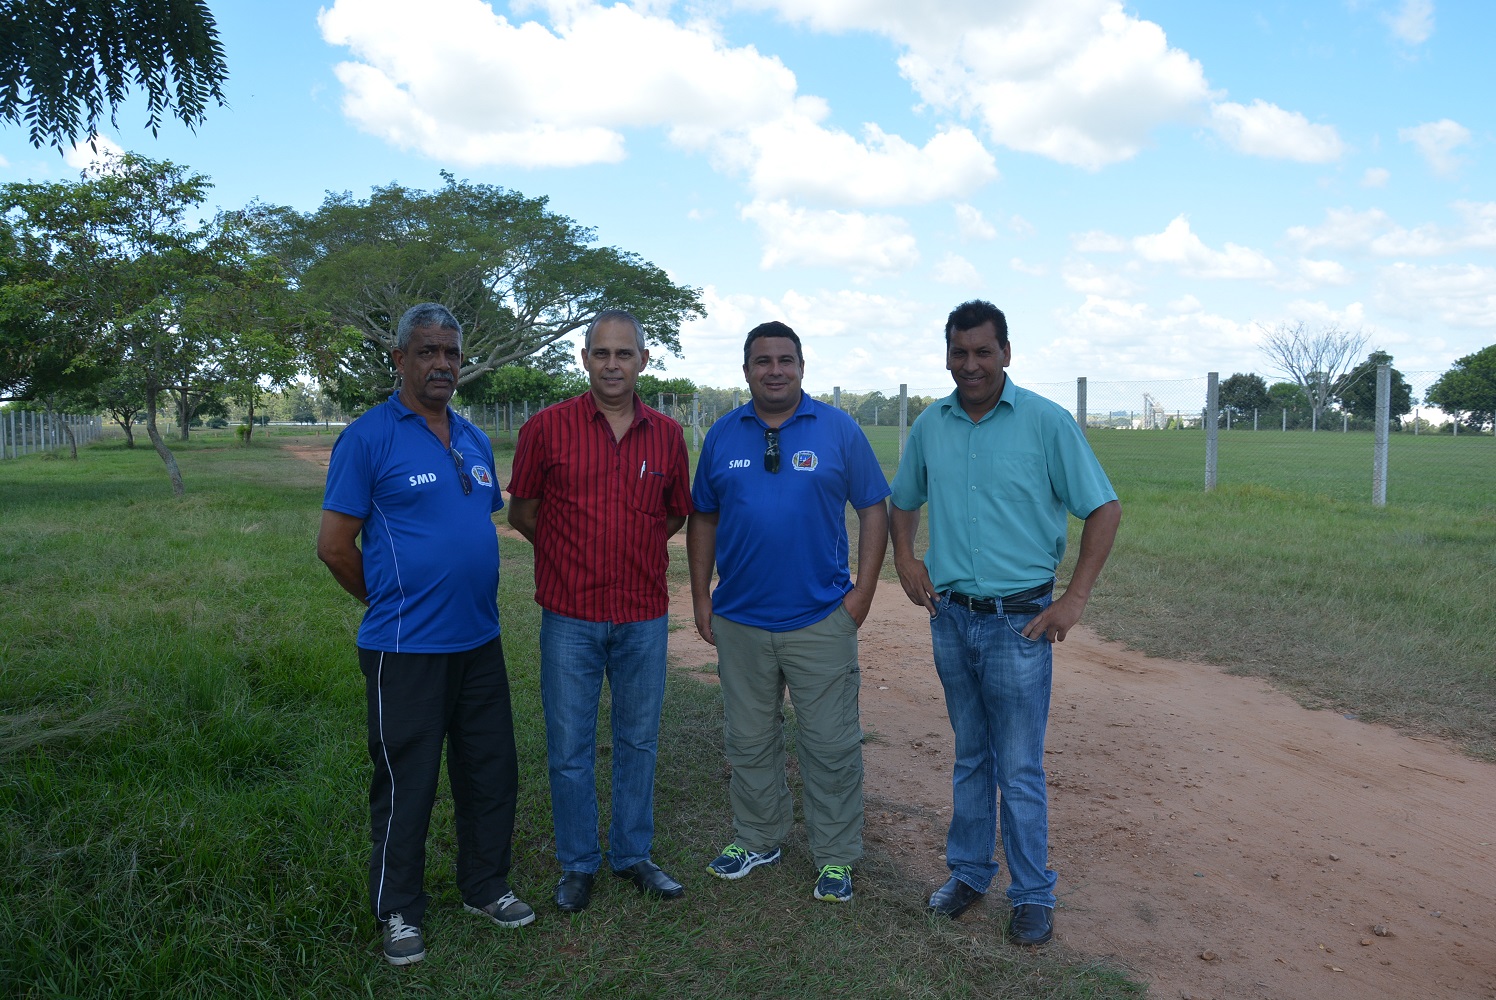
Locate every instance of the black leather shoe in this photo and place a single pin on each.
(953, 898)
(574, 891)
(1032, 924)
(649, 879)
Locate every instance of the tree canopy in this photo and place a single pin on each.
(1469, 387)
(109, 275)
(1358, 390)
(63, 66)
(1316, 360)
(518, 276)
(1242, 393)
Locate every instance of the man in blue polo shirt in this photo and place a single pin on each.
(772, 487)
(413, 483)
(999, 467)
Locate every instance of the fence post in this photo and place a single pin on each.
(1345, 423)
(1080, 402)
(836, 396)
(1379, 450)
(1285, 420)
(1254, 418)
(695, 421)
(903, 417)
(1212, 430)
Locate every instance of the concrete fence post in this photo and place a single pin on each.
(1080, 401)
(903, 417)
(1212, 426)
(1379, 450)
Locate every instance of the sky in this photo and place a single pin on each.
(1144, 189)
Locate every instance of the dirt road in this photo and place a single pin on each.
(1211, 836)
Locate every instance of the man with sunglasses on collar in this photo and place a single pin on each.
(772, 486)
(413, 482)
(1001, 469)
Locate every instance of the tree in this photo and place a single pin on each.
(1242, 393)
(1358, 390)
(1469, 387)
(517, 275)
(62, 63)
(1316, 360)
(110, 259)
(1291, 397)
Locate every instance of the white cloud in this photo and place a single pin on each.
(1458, 294)
(1096, 241)
(795, 157)
(1413, 22)
(1032, 270)
(859, 340)
(1021, 226)
(972, 224)
(471, 86)
(1375, 177)
(863, 243)
(953, 269)
(1178, 245)
(453, 77)
(1373, 231)
(1088, 279)
(89, 153)
(1078, 81)
(4, 162)
(1267, 130)
(1324, 272)
(1437, 141)
(1131, 342)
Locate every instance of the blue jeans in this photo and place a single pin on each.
(997, 696)
(575, 656)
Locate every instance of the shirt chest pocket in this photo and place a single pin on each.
(646, 494)
(1017, 477)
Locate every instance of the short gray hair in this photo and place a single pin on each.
(614, 315)
(421, 316)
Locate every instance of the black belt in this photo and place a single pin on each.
(1023, 603)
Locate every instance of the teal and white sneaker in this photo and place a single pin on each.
(402, 942)
(735, 862)
(835, 884)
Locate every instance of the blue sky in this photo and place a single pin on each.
(1142, 188)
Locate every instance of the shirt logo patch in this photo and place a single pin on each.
(804, 461)
(421, 479)
(740, 463)
(482, 476)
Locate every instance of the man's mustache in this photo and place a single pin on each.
(439, 377)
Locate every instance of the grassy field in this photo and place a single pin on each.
(183, 774)
(1287, 571)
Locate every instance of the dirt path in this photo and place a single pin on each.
(1211, 836)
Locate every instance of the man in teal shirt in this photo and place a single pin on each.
(1000, 468)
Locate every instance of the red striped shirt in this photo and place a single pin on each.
(600, 528)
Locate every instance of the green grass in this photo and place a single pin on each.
(183, 783)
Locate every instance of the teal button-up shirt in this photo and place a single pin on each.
(998, 490)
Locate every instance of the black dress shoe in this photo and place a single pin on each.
(953, 898)
(1032, 924)
(650, 880)
(574, 891)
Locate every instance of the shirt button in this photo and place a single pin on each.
(973, 520)
(973, 489)
(973, 454)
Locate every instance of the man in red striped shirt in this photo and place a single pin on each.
(599, 483)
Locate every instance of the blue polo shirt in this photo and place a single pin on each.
(431, 555)
(998, 490)
(782, 537)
